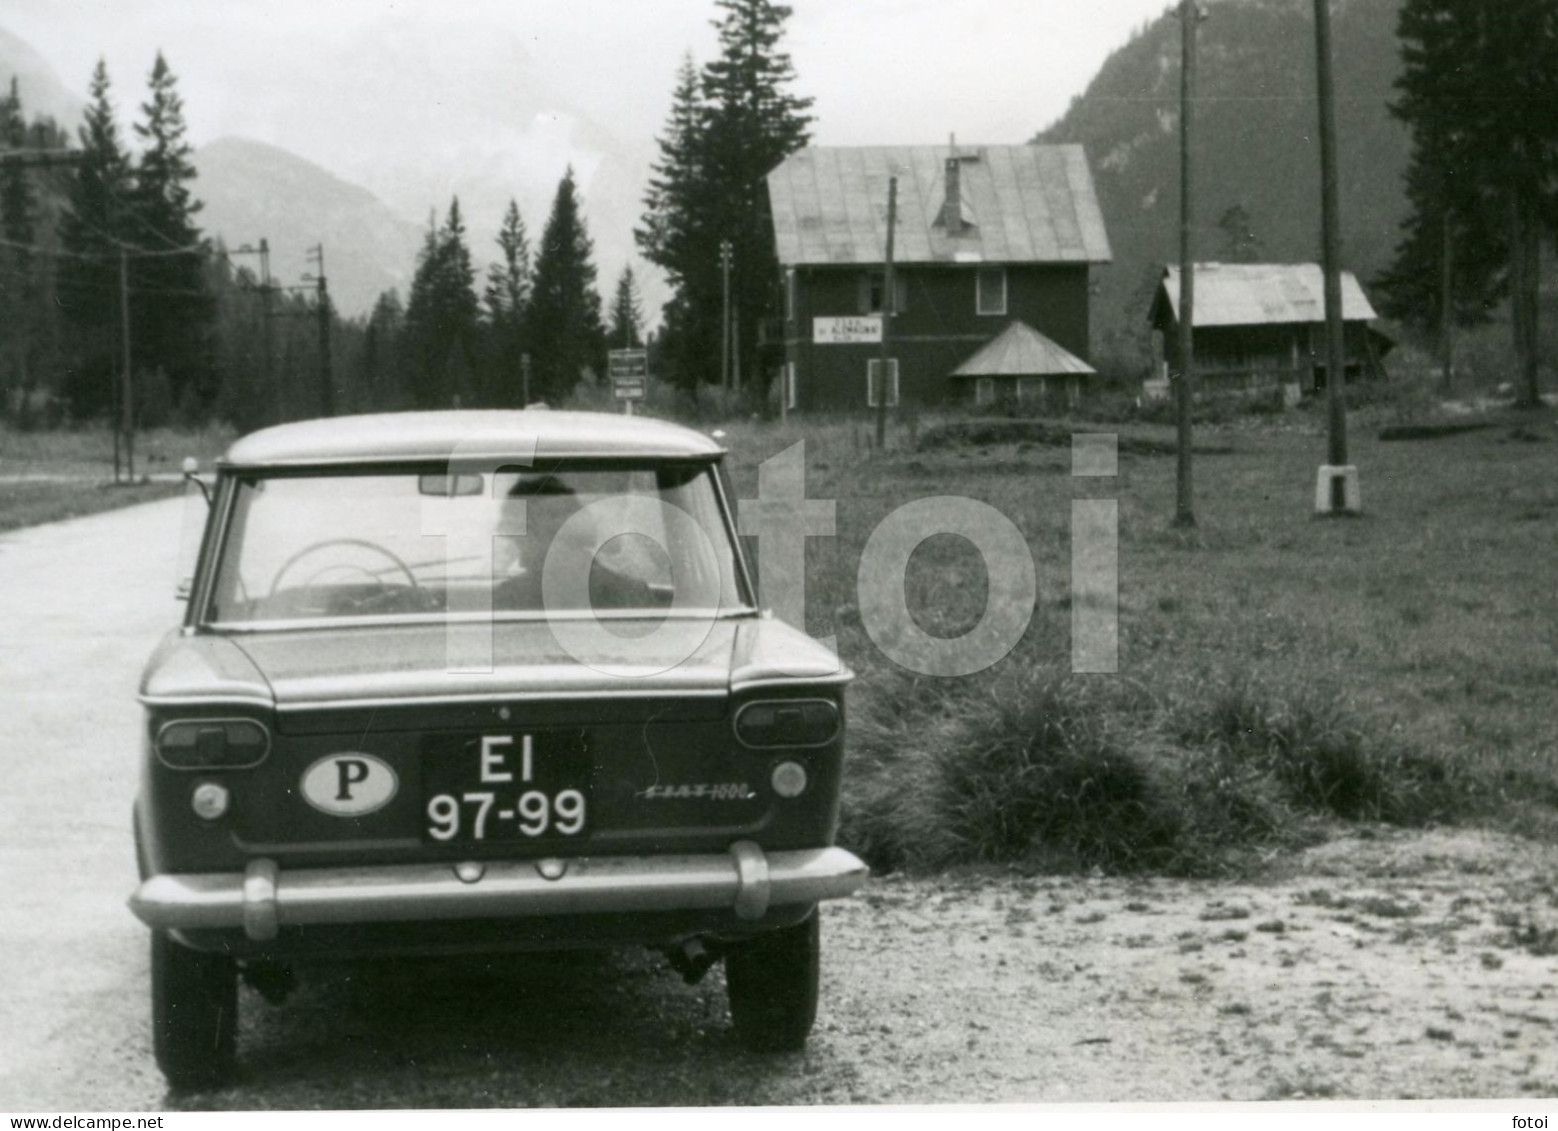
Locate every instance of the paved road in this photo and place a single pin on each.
(82, 604)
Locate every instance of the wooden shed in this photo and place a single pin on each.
(1260, 325)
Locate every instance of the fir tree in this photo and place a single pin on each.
(441, 316)
(91, 233)
(1240, 243)
(753, 123)
(1479, 79)
(19, 269)
(627, 314)
(728, 128)
(566, 336)
(678, 236)
(171, 306)
(508, 301)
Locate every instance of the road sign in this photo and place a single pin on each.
(629, 371)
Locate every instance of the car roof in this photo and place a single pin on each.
(468, 434)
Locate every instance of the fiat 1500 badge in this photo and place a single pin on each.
(481, 681)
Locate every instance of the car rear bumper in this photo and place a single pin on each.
(263, 899)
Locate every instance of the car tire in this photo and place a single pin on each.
(772, 982)
(194, 1014)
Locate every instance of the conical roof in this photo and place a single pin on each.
(1021, 351)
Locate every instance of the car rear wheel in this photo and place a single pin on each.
(194, 1013)
(772, 982)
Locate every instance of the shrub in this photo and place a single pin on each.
(1324, 758)
(1074, 773)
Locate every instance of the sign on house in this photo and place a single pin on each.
(846, 331)
(629, 371)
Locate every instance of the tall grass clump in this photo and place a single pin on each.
(1073, 773)
(1319, 751)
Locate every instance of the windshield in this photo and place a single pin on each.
(618, 540)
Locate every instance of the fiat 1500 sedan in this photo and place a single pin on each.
(481, 681)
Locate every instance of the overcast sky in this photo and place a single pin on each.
(334, 78)
(421, 100)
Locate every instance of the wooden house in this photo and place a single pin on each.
(1262, 325)
(988, 237)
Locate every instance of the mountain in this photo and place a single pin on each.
(42, 92)
(253, 191)
(1255, 145)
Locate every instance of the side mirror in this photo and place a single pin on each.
(191, 475)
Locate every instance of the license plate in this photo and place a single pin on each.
(514, 787)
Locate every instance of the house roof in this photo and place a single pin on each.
(471, 434)
(1249, 294)
(1026, 204)
(1021, 351)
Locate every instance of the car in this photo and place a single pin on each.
(475, 681)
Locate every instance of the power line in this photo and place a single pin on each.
(128, 249)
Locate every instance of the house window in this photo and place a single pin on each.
(789, 295)
(789, 384)
(984, 390)
(991, 285)
(874, 381)
(873, 284)
(1030, 389)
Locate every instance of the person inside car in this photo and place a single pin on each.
(548, 506)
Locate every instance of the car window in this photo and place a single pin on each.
(535, 541)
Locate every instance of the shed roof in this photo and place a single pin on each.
(1026, 204)
(1021, 351)
(471, 434)
(1250, 294)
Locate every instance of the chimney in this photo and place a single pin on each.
(952, 207)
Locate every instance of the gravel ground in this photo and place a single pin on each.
(1390, 967)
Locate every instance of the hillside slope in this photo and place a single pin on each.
(252, 190)
(1255, 145)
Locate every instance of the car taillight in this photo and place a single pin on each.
(212, 744)
(773, 723)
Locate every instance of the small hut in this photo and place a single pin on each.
(1021, 364)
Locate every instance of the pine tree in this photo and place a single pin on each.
(508, 301)
(441, 316)
(677, 235)
(19, 268)
(566, 336)
(1478, 81)
(754, 122)
(627, 314)
(171, 307)
(728, 128)
(1240, 243)
(91, 233)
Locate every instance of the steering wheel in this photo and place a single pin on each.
(275, 584)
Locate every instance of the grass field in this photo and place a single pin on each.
(46, 476)
(1276, 671)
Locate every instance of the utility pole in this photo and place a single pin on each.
(888, 295)
(128, 396)
(1447, 299)
(1184, 505)
(1337, 489)
(326, 372)
(724, 357)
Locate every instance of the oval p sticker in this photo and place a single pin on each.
(349, 784)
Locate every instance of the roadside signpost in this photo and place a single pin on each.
(629, 371)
